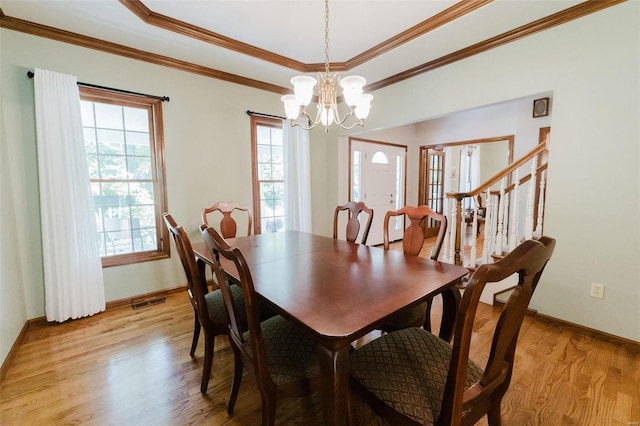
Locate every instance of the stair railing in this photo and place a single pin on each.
(502, 212)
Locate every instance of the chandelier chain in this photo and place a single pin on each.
(326, 37)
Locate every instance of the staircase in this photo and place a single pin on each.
(513, 212)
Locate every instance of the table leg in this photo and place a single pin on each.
(450, 304)
(334, 382)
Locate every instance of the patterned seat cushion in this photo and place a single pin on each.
(408, 317)
(292, 354)
(217, 311)
(407, 370)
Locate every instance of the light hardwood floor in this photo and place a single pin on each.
(132, 367)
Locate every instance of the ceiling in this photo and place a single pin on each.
(264, 43)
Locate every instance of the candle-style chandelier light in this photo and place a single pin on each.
(359, 103)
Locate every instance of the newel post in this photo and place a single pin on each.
(459, 227)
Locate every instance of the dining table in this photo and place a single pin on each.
(339, 291)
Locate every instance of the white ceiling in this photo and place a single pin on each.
(293, 29)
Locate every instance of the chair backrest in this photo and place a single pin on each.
(353, 223)
(413, 237)
(219, 247)
(228, 226)
(528, 260)
(187, 257)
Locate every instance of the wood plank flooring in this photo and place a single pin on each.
(132, 367)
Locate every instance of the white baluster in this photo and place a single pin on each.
(447, 236)
(538, 232)
(489, 228)
(528, 225)
(463, 235)
(515, 213)
(474, 240)
(499, 235)
(505, 222)
(452, 240)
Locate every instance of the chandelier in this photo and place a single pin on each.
(359, 103)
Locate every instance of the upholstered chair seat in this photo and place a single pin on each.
(215, 305)
(393, 368)
(415, 316)
(281, 339)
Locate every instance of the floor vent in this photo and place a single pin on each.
(142, 303)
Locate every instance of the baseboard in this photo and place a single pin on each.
(42, 321)
(128, 301)
(16, 344)
(583, 329)
(592, 332)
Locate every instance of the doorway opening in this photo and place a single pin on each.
(459, 167)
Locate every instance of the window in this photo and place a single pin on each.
(125, 154)
(268, 174)
(380, 158)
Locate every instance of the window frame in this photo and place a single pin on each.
(259, 120)
(156, 133)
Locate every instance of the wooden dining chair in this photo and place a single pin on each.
(412, 377)
(228, 225)
(353, 221)
(412, 242)
(281, 357)
(226, 211)
(208, 306)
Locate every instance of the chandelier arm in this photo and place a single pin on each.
(294, 123)
(360, 123)
(339, 121)
(312, 122)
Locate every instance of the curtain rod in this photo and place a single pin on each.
(30, 74)
(249, 112)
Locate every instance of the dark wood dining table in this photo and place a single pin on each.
(339, 291)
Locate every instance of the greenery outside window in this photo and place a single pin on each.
(268, 174)
(124, 145)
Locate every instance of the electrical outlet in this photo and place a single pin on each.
(597, 290)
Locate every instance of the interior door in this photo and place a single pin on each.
(377, 178)
(431, 191)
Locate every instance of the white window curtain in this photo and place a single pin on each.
(297, 179)
(72, 267)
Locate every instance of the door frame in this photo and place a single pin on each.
(376, 142)
(422, 183)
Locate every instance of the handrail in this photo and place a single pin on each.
(496, 178)
(521, 181)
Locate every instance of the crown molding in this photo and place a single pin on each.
(562, 17)
(448, 15)
(184, 28)
(129, 52)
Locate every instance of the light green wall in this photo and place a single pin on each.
(591, 66)
(594, 183)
